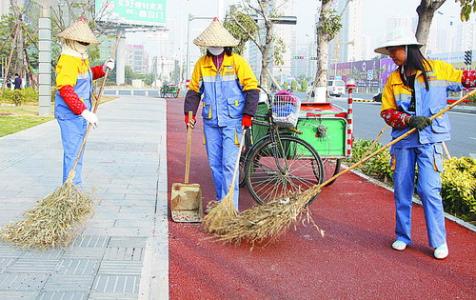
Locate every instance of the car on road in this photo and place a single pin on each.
(335, 87)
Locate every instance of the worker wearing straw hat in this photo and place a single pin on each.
(414, 92)
(225, 83)
(74, 91)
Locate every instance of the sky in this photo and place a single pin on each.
(173, 42)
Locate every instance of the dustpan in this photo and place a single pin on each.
(186, 198)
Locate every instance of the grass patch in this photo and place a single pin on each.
(16, 118)
(12, 124)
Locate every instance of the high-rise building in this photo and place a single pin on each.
(349, 44)
(137, 58)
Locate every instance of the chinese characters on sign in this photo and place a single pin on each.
(132, 12)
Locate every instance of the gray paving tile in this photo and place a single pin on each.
(136, 242)
(28, 265)
(22, 281)
(14, 295)
(61, 282)
(116, 284)
(68, 295)
(91, 241)
(88, 253)
(75, 266)
(124, 254)
(117, 267)
(5, 262)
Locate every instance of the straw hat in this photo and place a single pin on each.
(399, 38)
(215, 35)
(79, 31)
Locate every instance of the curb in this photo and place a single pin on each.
(415, 200)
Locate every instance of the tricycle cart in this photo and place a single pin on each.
(169, 91)
(280, 160)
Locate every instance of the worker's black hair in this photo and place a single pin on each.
(416, 61)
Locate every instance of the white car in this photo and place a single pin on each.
(336, 87)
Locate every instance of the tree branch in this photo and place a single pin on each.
(252, 38)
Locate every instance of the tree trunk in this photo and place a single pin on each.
(267, 47)
(426, 11)
(322, 53)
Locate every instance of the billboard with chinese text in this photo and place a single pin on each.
(132, 12)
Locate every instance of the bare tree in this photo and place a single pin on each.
(269, 45)
(327, 27)
(426, 11)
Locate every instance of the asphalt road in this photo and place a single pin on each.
(367, 124)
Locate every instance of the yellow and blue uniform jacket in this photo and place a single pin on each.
(227, 93)
(442, 78)
(72, 72)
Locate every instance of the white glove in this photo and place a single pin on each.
(109, 64)
(90, 117)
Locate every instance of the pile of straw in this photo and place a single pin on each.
(264, 222)
(53, 221)
(218, 213)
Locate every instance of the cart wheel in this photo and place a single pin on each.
(331, 168)
(286, 167)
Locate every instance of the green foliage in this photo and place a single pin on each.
(458, 179)
(19, 97)
(246, 22)
(304, 85)
(467, 7)
(285, 85)
(459, 187)
(330, 24)
(279, 50)
(12, 124)
(294, 85)
(378, 166)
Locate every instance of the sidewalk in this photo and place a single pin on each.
(123, 251)
(353, 260)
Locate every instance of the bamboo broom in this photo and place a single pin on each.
(54, 220)
(213, 221)
(269, 221)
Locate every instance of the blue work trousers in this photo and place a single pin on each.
(72, 133)
(428, 158)
(222, 150)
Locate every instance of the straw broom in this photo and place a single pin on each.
(213, 222)
(54, 220)
(269, 221)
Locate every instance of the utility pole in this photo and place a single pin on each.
(44, 59)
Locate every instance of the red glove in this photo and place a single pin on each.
(246, 121)
(469, 78)
(189, 122)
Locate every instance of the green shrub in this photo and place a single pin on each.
(459, 187)
(19, 97)
(458, 179)
(378, 166)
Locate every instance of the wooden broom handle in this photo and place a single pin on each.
(188, 151)
(95, 108)
(438, 114)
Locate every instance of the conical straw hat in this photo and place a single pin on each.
(215, 35)
(79, 31)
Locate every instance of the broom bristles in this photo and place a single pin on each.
(220, 213)
(265, 222)
(52, 222)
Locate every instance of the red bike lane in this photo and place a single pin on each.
(352, 260)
